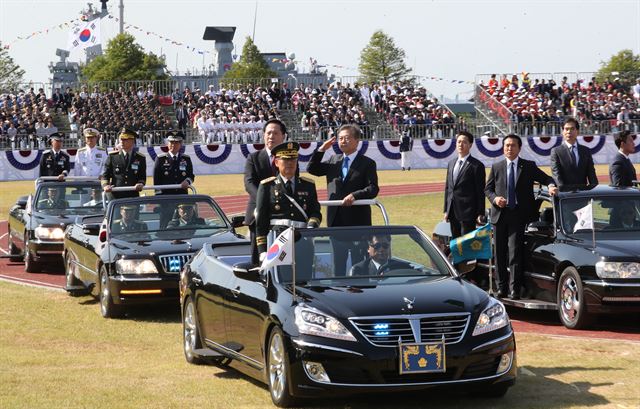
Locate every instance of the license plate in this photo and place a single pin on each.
(422, 358)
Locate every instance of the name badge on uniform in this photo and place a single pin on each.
(134, 166)
(61, 163)
(183, 167)
(98, 155)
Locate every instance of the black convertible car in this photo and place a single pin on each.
(37, 222)
(400, 319)
(581, 265)
(134, 254)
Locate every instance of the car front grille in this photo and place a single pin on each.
(172, 263)
(388, 331)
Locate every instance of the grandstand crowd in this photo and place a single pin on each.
(237, 114)
(539, 106)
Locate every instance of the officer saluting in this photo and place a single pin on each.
(173, 167)
(124, 167)
(54, 162)
(91, 158)
(285, 200)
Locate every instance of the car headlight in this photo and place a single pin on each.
(492, 318)
(138, 267)
(49, 233)
(608, 269)
(313, 322)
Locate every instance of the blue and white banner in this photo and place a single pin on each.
(430, 154)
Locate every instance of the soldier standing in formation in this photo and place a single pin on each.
(91, 158)
(285, 200)
(124, 168)
(55, 162)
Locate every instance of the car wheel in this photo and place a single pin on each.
(191, 336)
(30, 266)
(107, 308)
(572, 307)
(71, 280)
(279, 370)
(14, 252)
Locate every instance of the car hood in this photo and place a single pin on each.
(173, 246)
(622, 247)
(429, 296)
(53, 219)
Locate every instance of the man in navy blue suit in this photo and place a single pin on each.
(572, 163)
(621, 171)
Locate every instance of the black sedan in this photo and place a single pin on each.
(583, 255)
(400, 319)
(37, 222)
(134, 254)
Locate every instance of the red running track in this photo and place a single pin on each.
(536, 322)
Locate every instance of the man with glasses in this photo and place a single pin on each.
(350, 176)
(379, 260)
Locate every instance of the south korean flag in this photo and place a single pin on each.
(84, 35)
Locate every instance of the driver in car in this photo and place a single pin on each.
(128, 222)
(186, 217)
(378, 260)
(53, 200)
(96, 198)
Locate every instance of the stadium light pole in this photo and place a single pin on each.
(121, 7)
(255, 17)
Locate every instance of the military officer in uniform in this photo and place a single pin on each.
(187, 216)
(53, 200)
(124, 168)
(128, 222)
(90, 158)
(173, 167)
(54, 162)
(285, 200)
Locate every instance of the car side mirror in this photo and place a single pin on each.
(247, 271)
(237, 221)
(22, 202)
(540, 228)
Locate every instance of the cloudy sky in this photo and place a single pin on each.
(454, 40)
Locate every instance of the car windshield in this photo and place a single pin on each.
(59, 199)
(604, 214)
(151, 219)
(363, 256)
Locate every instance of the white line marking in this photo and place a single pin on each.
(30, 283)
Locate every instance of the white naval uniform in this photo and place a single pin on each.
(89, 162)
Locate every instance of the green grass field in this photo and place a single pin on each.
(57, 352)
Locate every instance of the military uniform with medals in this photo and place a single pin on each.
(55, 163)
(134, 226)
(122, 169)
(173, 170)
(274, 210)
(90, 161)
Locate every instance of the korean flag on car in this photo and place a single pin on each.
(84, 35)
(280, 252)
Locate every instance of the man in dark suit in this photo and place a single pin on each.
(124, 168)
(464, 189)
(259, 166)
(379, 260)
(571, 163)
(621, 171)
(55, 162)
(350, 177)
(510, 191)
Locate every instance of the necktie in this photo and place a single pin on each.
(56, 156)
(574, 162)
(511, 200)
(273, 165)
(456, 170)
(345, 167)
(288, 187)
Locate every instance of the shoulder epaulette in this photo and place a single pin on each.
(100, 148)
(84, 148)
(47, 151)
(139, 154)
(114, 152)
(184, 155)
(309, 180)
(267, 180)
(163, 155)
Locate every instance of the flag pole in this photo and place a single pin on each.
(293, 263)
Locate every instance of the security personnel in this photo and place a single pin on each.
(55, 162)
(173, 167)
(285, 200)
(91, 158)
(124, 167)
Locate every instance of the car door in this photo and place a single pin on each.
(541, 261)
(18, 224)
(247, 309)
(210, 280)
